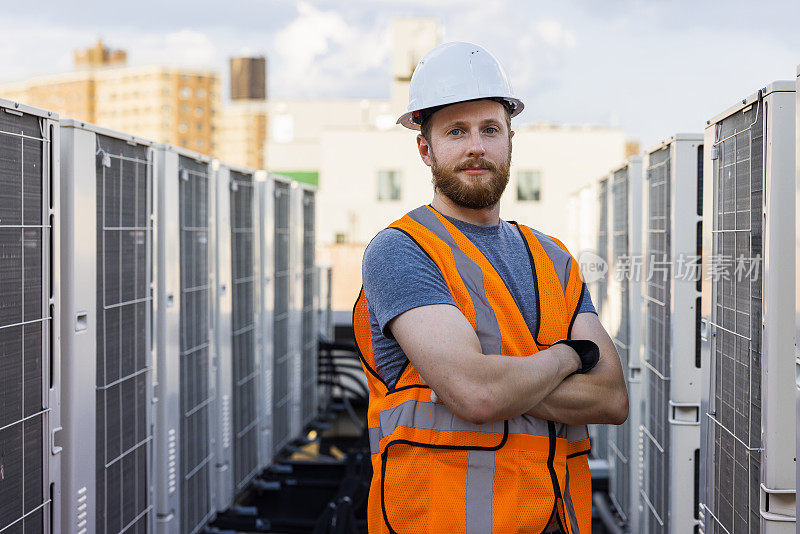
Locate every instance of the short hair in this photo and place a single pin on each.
(426, 114)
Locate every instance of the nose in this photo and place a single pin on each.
(476, 149)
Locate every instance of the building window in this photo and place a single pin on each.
(183, 127)
(389, 187)
(186, 92)
(341, 238)
(529, 185)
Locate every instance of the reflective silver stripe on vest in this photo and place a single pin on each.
(479, 495)
(487, 328)
(570, 506)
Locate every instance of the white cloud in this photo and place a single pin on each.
(554, 34)
(185, 48)
(321, 53)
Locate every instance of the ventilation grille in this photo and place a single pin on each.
(196, 398)
(308, 395)
(655, 421)
(620, 436)
(735, 421)
(245, 373)
(281, 411)
(24, 323)
(124, 300)
(602, 241)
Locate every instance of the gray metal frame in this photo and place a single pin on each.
(622, 468)
(773, 108)
(674, 438)
(305, 409)
(259, 409)
(50, 311)
(169, 296)
(222, 336)
(797, 284)
(265, 236)
(283, 364)
(78, 333)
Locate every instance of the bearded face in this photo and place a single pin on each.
(471, 191)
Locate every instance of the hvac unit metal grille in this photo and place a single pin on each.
(657, 349)
(196, 397)
(25, 322)
(602, 241)
(308, 394)
(736, 318)
(245, 373)
(620, 436)
(281, 376)
(124, 301)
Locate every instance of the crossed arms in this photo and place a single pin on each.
(443, 347)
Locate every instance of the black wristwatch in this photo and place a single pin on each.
(587, 350)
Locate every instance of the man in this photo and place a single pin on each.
(484, 356)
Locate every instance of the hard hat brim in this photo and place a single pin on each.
(407, 119)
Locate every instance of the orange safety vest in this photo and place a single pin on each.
(436, 473)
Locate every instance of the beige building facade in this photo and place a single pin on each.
(164, 104)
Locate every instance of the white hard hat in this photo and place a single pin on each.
(456, 72)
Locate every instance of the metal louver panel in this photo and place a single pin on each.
(620, 436)
(196, 395)
(599, 433)
(656, 436)
(124, 302)
(622, 318)
(281, 376)
(738, 179)
(245, 369)
(26, 320)
(748, 433)
(308, 388)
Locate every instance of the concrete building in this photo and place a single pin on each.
(163, 104)
(241, 133)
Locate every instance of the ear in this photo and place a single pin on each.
(424, 149)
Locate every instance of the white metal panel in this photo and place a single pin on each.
(296, 306)
(222, 337)
(29, 141)
(184, 437)
(623, 321)
(125, 444)
(751, 146)
(266, 238)
(670, 430)
(797, 284)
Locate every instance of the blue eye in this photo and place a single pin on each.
(492, 130)
(455, 131)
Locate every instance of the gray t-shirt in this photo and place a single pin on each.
(398, 276)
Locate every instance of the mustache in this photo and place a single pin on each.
(476, 163)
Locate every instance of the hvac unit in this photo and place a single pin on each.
(622, 312)
(29, 319)
(277, 264)
(304, 305)
(671, 382)
(265, 234)
(325, 311)
(747, 427)
(797, 284)
(238, 380)
(184, 349)
(107, 343)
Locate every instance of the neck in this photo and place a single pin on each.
(483, 217)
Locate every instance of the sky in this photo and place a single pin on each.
(651, 68)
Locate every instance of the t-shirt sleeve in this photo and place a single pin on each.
(398, 276)
(586, 304)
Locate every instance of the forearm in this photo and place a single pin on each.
(492, 387)
(590, 398)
